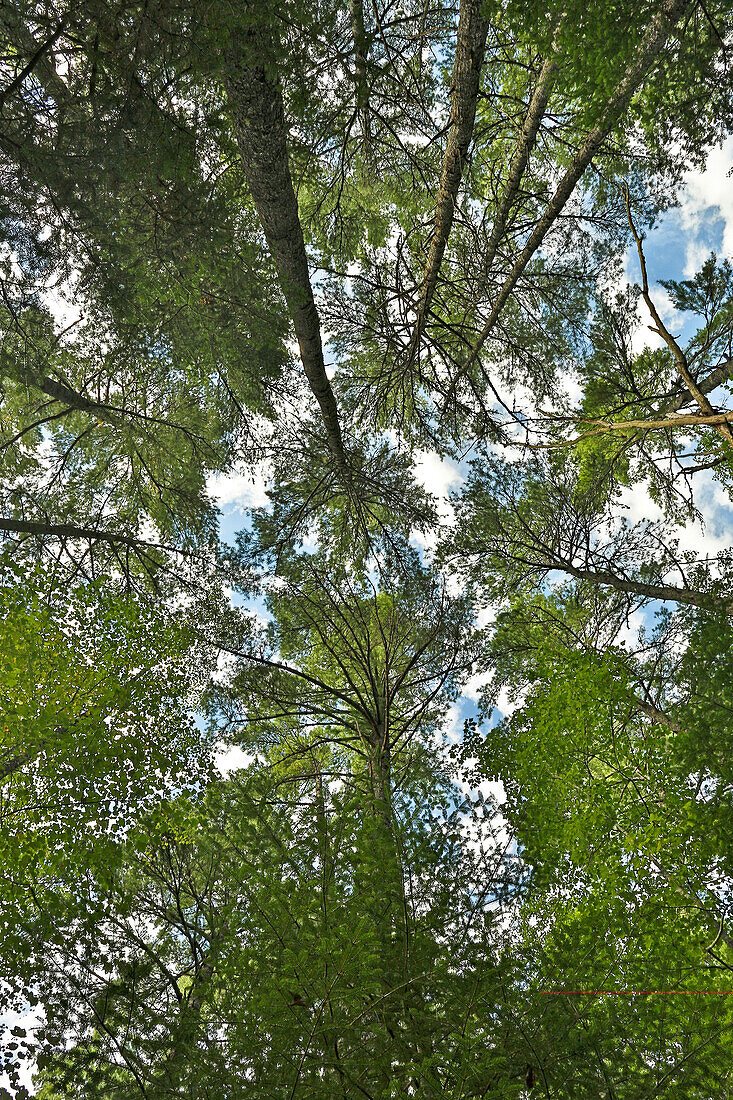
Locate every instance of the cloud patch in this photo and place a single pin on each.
(706, 198)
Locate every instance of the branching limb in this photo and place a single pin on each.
(660, 328)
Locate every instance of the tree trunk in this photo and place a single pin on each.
(720, 374)
(666, 592)
(470, 48)
(525, 145)
(70, 531)
(356, 13)
(256, 102)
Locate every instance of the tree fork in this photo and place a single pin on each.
(722, 373)
(680, 359)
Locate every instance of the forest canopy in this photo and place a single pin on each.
(365, 788)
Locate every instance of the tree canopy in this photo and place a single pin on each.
(393, 792)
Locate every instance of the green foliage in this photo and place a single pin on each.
(260, 911)
(350, 913)
(94, 730)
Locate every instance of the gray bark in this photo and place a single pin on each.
(356, 13)
(666, 592)
(67, 530)
(721, 374)
(14, 25)
(525, 144)
(469, 56)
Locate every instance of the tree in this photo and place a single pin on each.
(241, 941)
(531, 519)
(315, 240)
(95, 727)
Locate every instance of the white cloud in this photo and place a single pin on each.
(242, 489)
(438, 475)
(642, 336)
(636, 505)
(635, 622)
(507, 705)
(226, 663)
(666, 310)
(485, 617)
(64, 312)
(705, 538)
(489, 788)
(452, 727)
(231, 758)
(29, 1020)
(475, 685)
(708, 194)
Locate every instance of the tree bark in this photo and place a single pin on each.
(8, 766)
(68, 530)
(256, 102)
(60, 392)
(380, 768)
(720, 374)
(680, 359)
(658, 717)
(469, 56)
(15, 26)
(532, 122)
(666, 592)
(356, 14)
(686, 420)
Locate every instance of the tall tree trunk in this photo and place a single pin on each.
(470, 48)
(330, 1036)
(525, 145)
(680, 358)
(11, 764)
(256, 102)
(380, 774)
(358, 34)
(170, 1077)
(14, 27)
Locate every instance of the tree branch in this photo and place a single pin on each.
(647, 53)
(678, 354)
